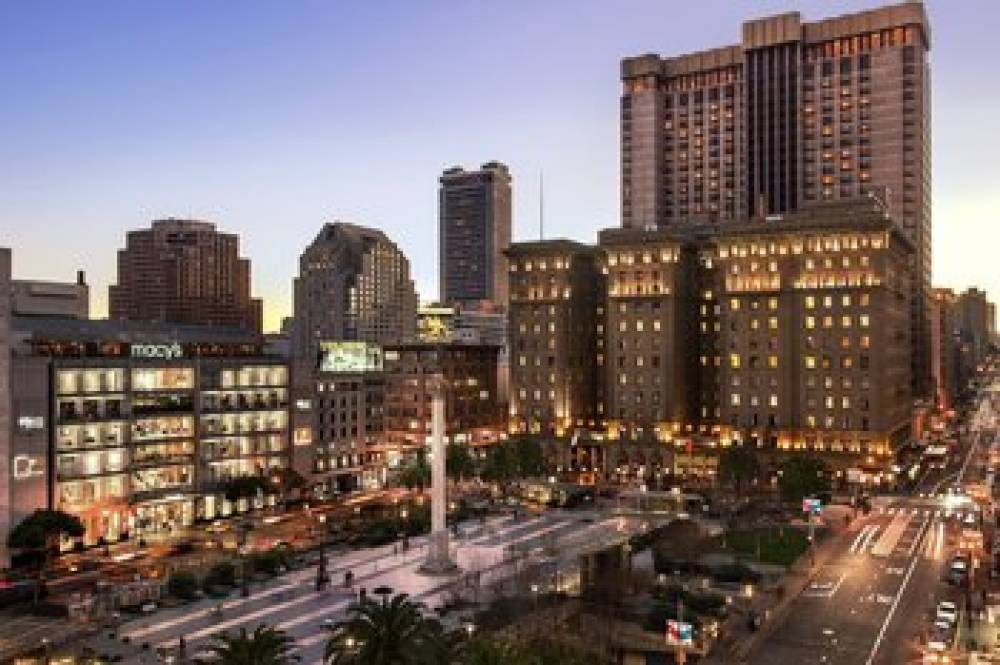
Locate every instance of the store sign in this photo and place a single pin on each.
(26, 467)
(680, 633)
(350, 357)
(158, 351)
(30, 423)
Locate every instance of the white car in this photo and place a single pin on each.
(947, 611)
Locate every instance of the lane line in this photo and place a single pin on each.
(892, 608)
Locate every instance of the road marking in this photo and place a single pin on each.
(892, 608)
(887, 543)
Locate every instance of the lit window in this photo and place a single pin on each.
(864, 320)
(734, 360)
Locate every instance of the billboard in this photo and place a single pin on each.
(349, 357)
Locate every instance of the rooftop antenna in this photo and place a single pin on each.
(541, 206)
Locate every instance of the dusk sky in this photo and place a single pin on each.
(271, 118)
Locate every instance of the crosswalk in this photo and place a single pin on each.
(930, 512)
(902, 536)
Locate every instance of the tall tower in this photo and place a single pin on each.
(184, 271)
(797, 113)
(475, 230)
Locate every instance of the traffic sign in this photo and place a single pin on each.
(814, 506)
(679, 633)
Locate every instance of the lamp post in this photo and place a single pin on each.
(322, 578)
(241, 536)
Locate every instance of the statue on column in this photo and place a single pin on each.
(438, 555)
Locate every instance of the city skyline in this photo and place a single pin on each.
(273, 141)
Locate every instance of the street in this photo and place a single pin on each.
(872, 601)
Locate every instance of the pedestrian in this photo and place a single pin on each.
(182, 647)
(362, 594)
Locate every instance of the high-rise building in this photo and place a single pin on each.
(974, 322)
(353, 294)
(946, 347)
(184, 271)
(796, 113)
(475, 229)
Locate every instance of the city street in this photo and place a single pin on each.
(872, 602)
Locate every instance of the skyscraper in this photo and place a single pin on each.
(475, 229)
(184, 271)
(796, 113)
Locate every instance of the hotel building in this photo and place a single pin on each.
(796, 113)
(788, 333)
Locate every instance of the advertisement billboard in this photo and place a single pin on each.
(350, 357)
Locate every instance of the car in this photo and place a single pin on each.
(940, 637)
(946, 611)
(970, 519)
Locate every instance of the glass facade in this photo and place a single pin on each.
(145, 449)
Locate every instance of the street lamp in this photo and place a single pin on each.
(241, 537)
(322, 578)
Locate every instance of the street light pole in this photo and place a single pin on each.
(322, 578)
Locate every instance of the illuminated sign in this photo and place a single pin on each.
(26, 467)
(350, 357)
(158, 351)
(31, 423)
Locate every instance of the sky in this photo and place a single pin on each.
(271, 118)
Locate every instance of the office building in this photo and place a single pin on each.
(796, 113)
(787, 335)
(184, 271)
(338, 427)
(473, 415)
(474, 232)
(43, 298)
(353, 294)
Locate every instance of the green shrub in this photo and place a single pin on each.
(222, 573)
(183, 585)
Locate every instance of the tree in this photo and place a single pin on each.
(530, 458)
(285, 480)
(487, 651)
(245, 487)
(263, 646)
(40, 532)
(738, 465)
(801, 476)
(388, 631)
(417, 475)
(459, 462)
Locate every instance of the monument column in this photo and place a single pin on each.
(438, 555)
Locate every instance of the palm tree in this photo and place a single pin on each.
(264, 646)
(387, 631)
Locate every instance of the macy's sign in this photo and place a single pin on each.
(158, 351)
